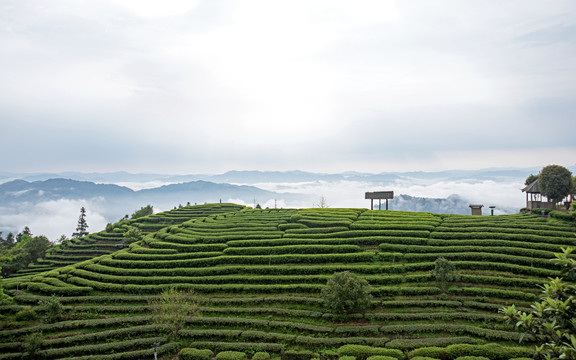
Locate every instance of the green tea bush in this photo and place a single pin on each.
(472, 358)
(238, 346)
(297, 355)
(434, 352)
(291, 226)
(381, 357)
(491, 351)
(362, 352)
(195, 354)
(562, 215)
(231, 355)
(411, 344)
(293, 249)
(261, 355)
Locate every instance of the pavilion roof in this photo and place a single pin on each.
(532, 187)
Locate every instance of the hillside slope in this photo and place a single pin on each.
(259, 274)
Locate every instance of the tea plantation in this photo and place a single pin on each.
(259, 275)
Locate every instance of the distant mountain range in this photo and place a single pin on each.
(255, 177)
(21, 191)
(25, 198)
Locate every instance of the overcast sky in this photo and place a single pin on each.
(182, 86)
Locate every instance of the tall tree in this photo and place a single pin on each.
(555, 182)
(82, 225)
(26, 232)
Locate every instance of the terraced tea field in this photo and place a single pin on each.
(259, 274)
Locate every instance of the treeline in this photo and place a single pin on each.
(17, 252)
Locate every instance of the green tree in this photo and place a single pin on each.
(144, 211)
(444, 271)
(346, 292)
(26, 232)
(3, 296)
(33, 344)
(132, 235)
(555, 182)
(25, 251)
(171, 309)
(9, 242)
(552, 320)
(81, 229)
(530, 179)
(53, 307)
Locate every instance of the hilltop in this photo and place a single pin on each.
(259, 274)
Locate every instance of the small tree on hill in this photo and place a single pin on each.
(552, 321)
(81, 229)
(54, 308)
(444, 271)
(132, 235)
(555, 182)
(172, 308)
(322, 202)
(345, 292)
(144, 211)
(33, 344)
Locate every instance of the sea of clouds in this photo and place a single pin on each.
(60, 217)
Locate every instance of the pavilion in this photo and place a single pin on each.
(534, 199)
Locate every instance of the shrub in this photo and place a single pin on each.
(231, 355)
(329, 354)
(54, 308)
(428, 352)
(346, 357)
(195, 354)
(33, 344)
(261, 355)
(297, 355)
(26, 313)
(492, 351)
(380, 357)
(472, 358)
(362, 352)
(562, 215)
(346, 292)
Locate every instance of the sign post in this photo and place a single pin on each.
(380, 195)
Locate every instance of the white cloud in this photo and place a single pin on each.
(53, 218)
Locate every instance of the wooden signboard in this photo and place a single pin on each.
(380, 195)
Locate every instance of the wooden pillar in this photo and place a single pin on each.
(371, 204)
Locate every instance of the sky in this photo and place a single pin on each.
(184, 86)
